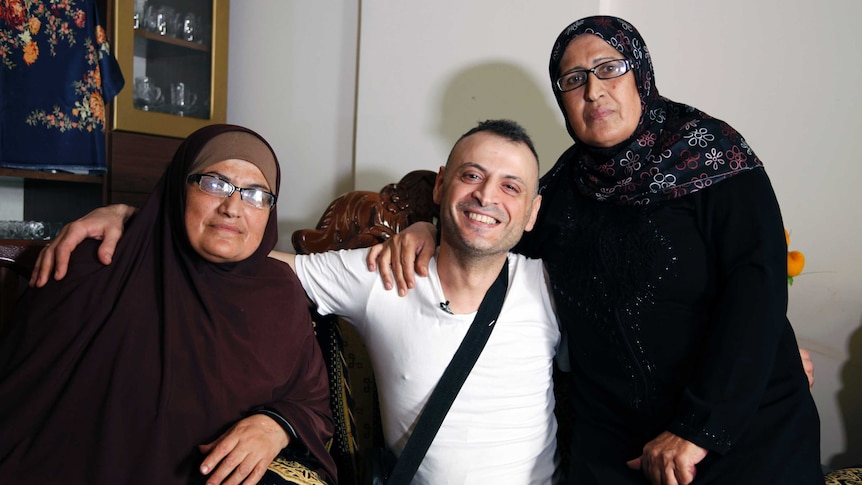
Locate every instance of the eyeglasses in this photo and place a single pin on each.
(212, 185)
(606, 70)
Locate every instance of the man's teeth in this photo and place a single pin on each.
(482, 218)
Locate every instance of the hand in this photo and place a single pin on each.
(405, 254)
(104, 223)
(669, 460)
(807, 365)
(242, 454)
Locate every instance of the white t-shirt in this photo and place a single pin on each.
(501, 427)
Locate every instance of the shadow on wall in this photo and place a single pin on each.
(501, 90)
(850, 403)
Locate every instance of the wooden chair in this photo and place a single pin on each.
(360, 219)
(17, 258)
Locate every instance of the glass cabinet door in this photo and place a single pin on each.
(173, 54)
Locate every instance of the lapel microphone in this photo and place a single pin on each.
(444, 305)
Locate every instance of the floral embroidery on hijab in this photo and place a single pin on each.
(674, 151)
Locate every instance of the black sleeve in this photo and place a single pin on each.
(742, 225)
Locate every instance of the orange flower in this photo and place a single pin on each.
(31, 52)
(34, 25)
(795, 261)
(100, 34)
(97, 106)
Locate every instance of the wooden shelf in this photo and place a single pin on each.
(167, 39)
(47, 175)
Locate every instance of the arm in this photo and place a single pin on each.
(669, 460)
(672, 459)
(300, 406)
(295, 413)
(748, 348)
(104, 223)
(404, 255)
(288, 258)
(244, 451)
(748, 353)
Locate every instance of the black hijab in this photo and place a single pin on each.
(675, 149)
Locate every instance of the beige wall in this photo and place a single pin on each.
(292, 78)
(429, 71)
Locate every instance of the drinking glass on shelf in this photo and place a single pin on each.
(140, 19)
(188, 27)
(164, 20)
(29, 229)
(182, 99)
(147, 95)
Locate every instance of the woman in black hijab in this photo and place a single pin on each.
(665, 248)
(193, 353)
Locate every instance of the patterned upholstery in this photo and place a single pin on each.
(845, 476)
(283, 470)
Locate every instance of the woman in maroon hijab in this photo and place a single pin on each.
(191, 354)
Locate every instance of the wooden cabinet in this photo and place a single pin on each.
(173, 54)
(137, 162)
(58, 197)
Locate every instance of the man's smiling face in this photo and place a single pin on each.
(487, 194)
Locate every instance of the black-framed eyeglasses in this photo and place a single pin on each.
(606, 70)
(218, 187)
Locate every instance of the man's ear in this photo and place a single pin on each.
(438, 185)
(534, 213)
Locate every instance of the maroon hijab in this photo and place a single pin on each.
(675, 150)
(117, 373)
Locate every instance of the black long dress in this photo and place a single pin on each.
(675, 317)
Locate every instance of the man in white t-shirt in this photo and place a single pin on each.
(501, 427)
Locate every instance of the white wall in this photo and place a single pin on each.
(292, 78)
(430, 71)
(12, 196)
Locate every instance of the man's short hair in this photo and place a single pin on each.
(507, 129)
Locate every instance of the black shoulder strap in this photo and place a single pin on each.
(451, 381)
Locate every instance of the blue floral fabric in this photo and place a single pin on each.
(57, 75)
